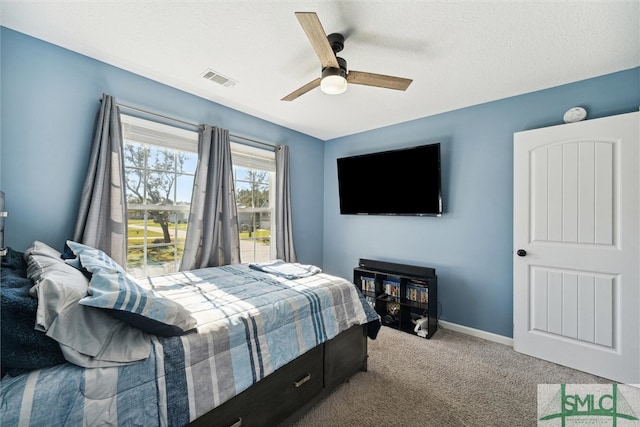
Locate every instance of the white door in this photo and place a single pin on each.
(576, 284)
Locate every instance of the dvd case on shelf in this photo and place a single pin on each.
(391, 287)
(368, 284)
(417, 293)
(411, 293)
(424, 295)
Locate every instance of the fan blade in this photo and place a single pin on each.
(378, 80)
(301, 91)
(318, 38)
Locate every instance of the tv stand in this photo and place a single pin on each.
(405, 296)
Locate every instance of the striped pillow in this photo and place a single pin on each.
(115, 291)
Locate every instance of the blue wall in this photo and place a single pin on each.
(471, 245)
(49, 102)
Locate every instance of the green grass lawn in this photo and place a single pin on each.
(161, 255)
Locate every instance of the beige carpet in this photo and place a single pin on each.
(453, 379)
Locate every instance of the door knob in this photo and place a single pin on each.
(521, 252)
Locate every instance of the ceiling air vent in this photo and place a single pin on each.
(216, 77)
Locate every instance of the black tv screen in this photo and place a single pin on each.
(396, 182)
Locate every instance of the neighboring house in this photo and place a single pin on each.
(49, 102)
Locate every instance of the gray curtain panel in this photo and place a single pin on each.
(212, 235)
(102, 217)
(285, 249)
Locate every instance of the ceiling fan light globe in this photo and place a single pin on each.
(333, 85)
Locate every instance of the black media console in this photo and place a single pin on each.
(405, 296)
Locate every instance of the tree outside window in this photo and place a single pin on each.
(160, 163)
(159, 175)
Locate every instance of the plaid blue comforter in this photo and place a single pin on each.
(250, 323)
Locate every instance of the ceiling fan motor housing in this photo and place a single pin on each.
(331, 71)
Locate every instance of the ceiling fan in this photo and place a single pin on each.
(335, 76)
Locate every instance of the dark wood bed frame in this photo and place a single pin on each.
(286, 395)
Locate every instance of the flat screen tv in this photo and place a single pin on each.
(396, 182)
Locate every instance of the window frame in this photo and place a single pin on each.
(260, 159)
(155, 135)
(161, 135)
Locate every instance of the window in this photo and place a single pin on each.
(254, 172)
(160, 163)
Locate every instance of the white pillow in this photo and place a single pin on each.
(38, 257)
(90, 338)
(56, 284)
(87, 336)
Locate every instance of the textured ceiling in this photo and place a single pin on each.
(458, 53)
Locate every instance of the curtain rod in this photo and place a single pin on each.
(128, 107)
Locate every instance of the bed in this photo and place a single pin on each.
(83, 343)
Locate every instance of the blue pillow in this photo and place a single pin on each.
(115, 291)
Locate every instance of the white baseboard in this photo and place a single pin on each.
(500, 339)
